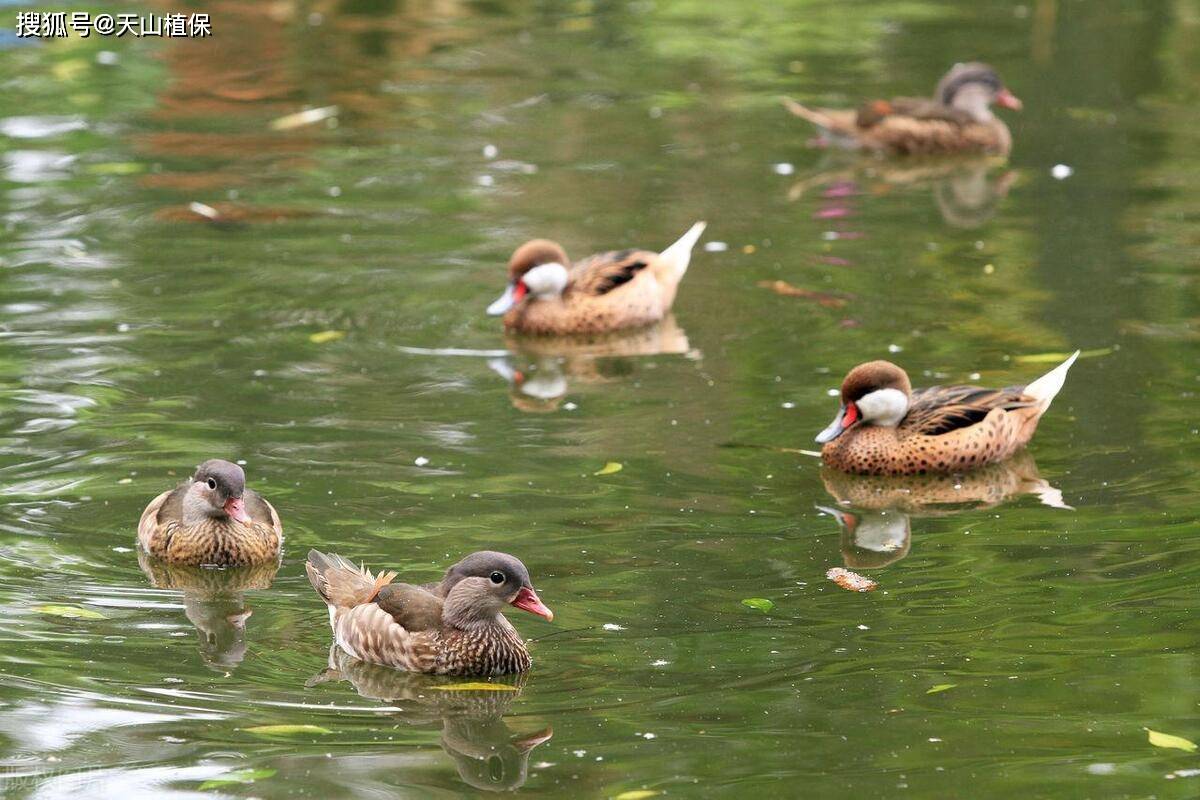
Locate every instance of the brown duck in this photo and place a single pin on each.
(885, 428)
(957, 119)
(212, 519)
(454, 627)
(612, 291)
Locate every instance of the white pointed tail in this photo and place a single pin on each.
(1046, 387)
(675, 259)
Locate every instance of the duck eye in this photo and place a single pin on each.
(212, 484)
(497, 577)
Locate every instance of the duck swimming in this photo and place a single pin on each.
(211, 520)
(957, 119)
(611, 291)
(454, 627)
(883, 427)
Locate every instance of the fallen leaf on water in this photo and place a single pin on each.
(610, 468)
(476, 686)
(851, 581)
(941, 687)
(115, 168)
(1054, 358)
(325, 337)
(637, 794)
(760, 603)
(1167, 740)
(239, 776)
(286, 730)
(788, 290)
(301, 118)
(70, 612)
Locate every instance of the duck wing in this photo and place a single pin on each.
(412, 607)
(911, 109)
(601, 273)
(941, 409)
(261, 511)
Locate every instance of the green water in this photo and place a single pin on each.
(137, 338)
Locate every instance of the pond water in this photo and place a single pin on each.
(320, 316)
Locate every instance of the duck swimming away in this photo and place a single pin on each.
(211, 520)
(453, 627)
(883, 427)
(957, 119)
(612, 291)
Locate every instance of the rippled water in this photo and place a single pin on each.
(138, 336)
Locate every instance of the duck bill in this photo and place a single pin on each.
(1007, 99)
(847, 415)
(512, 295)
(236, 508)
(527, 600)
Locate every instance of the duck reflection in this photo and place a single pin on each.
(214, 602)
(486, 752)
(875, 512)
(967, 191)
(540, 370)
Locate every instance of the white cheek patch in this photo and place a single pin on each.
(883, 407)
(546, 280)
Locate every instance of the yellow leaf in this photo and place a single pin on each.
(1055, 358)
(637, 794)
(610, 468)
(324, 337)
(70, 612)
(286, 730)
(1167, 740)
(309, 116)
(941, 687)
(475, 686)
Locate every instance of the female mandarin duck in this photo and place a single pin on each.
(958, 119)
(449, 628)
(602, 293)
(212, 519)
(885, 428)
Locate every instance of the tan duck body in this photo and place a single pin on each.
(885, 428)
(957, 119)
(547, 295)
(454, 627)
(212, 519)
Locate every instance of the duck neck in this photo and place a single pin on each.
(197, 511)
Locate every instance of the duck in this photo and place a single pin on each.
(212, 519)
(618, 290)
(957, 119)
(883, 427)
(453, 627)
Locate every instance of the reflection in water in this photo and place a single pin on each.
(875, 511)
(214, 603)
(540, 370)
(967, 190)
(486, 752)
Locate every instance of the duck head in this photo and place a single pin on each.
(480, 586)
(538, 268)
(875, 393)
(973, 88)
(216, 492)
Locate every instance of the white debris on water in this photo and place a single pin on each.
(420, 461)
(715, 247)
(1060, 172)
(783, 168)
(610, 626)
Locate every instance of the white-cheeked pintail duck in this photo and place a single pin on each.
(883, 427)
(454, 627)
(608, 292)
(957, 119)
(211, 520)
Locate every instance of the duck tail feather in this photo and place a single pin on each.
(1045, 388)
(340, 583)
(673, 262)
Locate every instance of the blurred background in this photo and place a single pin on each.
(276, 245)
